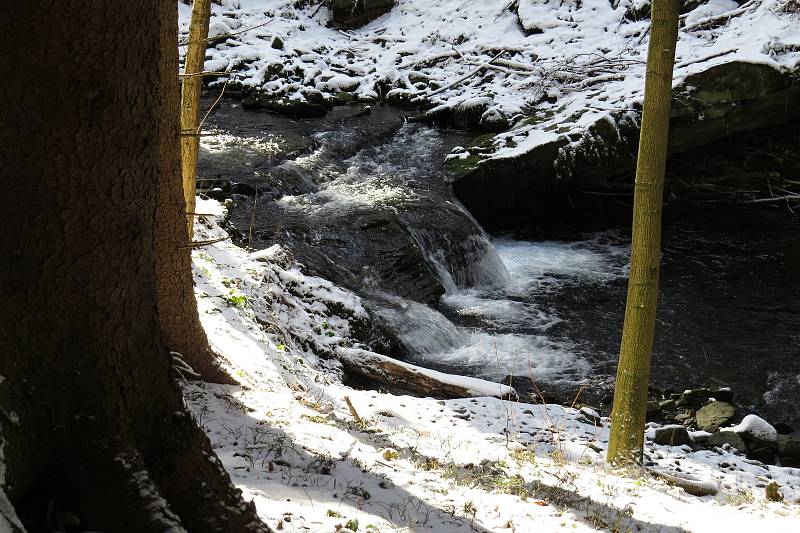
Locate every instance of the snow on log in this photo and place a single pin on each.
(382, 372)
(690, 484)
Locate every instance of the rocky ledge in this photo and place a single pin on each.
(505, 186)
(704, 418)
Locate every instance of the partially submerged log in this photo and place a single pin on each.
(375, 371)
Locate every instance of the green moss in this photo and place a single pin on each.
(344, 98)
(461, 167)
(483, 140)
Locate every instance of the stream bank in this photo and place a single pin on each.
(362, 200)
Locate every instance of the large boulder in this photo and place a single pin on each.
(473, 113)
(672, 435)
(789, 450)
(714, 415)
(756, 431)
(721, 438)
(352, 245)
(729, 98)
(760, 437)
(715, 103)
(355, 13)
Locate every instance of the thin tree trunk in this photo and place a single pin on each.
(177, 308)
(633, 373)
(91, 417)
(190, 102)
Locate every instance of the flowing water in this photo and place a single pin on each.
(356, 192)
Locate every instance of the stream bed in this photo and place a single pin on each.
(363, 200)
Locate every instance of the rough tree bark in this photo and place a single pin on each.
(91, 417)
(633, 373)
(191, 86)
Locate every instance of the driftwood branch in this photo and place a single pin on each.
(199, 244)
(693, 486)
(463, 78)
(353, 411)
(710, 22)
(226, 35)
(774, 199)
(704, 58)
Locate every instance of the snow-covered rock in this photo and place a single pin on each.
(536, 16)
(755, 429)
(711, 8)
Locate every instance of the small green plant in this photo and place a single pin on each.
(333, 514)
(317, 419)
(739, 497)
(514, 485)
(390, 455)
(523, 455)
(237, 300)
(470, 509)
(352, 524)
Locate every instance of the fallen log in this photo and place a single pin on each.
(690, 484)
(379, 372)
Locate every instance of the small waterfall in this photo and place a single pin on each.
(461, 260)
(420, 329)
(429, 338)
(460, 253)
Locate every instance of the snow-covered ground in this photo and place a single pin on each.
(291, 442)
(581, 61)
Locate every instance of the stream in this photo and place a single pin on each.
(364, 200)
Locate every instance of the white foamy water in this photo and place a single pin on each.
(219, 143)
(422, 331)
(541, 265)
(513, 337)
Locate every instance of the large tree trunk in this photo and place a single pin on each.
(633, 373)
(91, 418)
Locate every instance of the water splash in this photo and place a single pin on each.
(462, 264)
(422, 331)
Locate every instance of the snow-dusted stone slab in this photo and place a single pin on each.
(384, 373)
